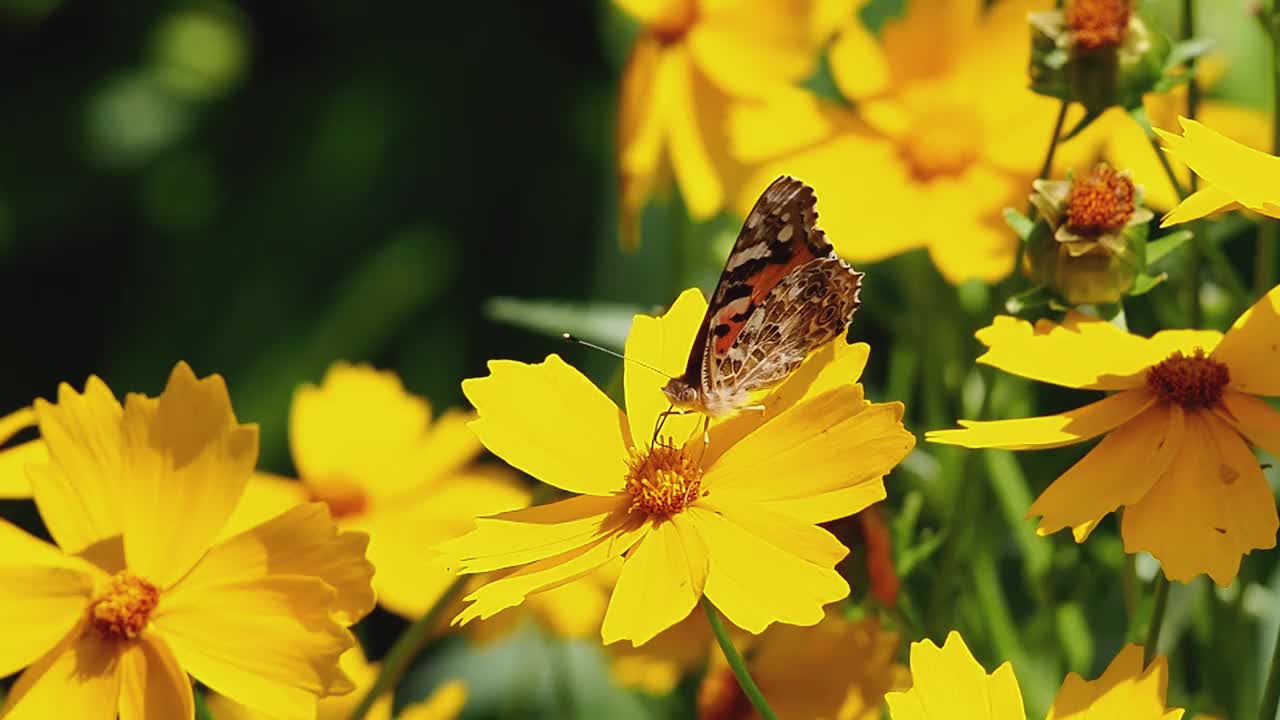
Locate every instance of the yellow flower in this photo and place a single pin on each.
(371, 452)
(693, 60)
(736, 520)
(15, 458)
(943, 136)
(949, 683)
(838, 670)
(1235, 175)
(444, 703)
(137, 594)
(1175, 454)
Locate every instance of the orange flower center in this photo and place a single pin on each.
(344, 499)
(943, 143)
(663, 480)
(1101, 202)
(1195, 382)
(123, 611)
(1098, 23)
(675, 22)
(720, 697)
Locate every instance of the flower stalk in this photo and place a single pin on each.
(1195, 251)
(1271, 695)
(736, 663)
(1159, 604)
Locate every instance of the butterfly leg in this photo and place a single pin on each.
(662, 420)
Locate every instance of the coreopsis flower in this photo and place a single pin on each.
(137, 593)
(1098, 53)
(1090, 242)
(734, 520)
(444, 703)
(1235, 175)
(1177, 432)
(371, 452)
(15, 458)
(691, 62)
(947, 682)
(839, 670)
(916, 161)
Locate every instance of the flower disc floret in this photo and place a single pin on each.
(1098, 23)
(1195, 382)
(123, 610)
(663, 480)
(1102, 202)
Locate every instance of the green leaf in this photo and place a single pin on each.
(605, 324)
(1038, 296)
(916, 554)
(1187, 50)
(1009, 485)
(1158, 248)
(1021, 224)
(1144, 283)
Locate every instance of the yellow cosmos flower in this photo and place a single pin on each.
(692, 61)
(735, 520)
(1235, 175)
(371, 452)
(947, 682)
(445, 703)
(838, 670)
(137, 594)
(944, 135)
(1175, 454)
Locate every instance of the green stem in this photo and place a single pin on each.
(736, 663)
(405, 649)
(1271, 695)
(1157, 619)
(1045, 168)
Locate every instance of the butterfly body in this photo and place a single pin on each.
(782, 294)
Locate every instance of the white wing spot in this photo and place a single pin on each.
(785, 233)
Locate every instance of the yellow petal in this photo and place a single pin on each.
(1250, 350)
(752, 45)
(303, 541)
(511, 589)
(1210, 508)
(1081, 352)
(78, 492)
(265, 496)
(43, 594)
(1050, 431)
(661, 582)
(1249, 176)
(857, 63)
(642, 103)
(696, 119)
(662, 343)
(14, 460)
(929, 38)
(186, 462)
(153, 684)
(1119, 471)
(550, 422)
(756, 582)
(525, 536)
(1125, 690)
(411, 578)
(805, 451)
(948, 683)
(270, 644)
(80, 678)
(576, 609)
(444, 703)
(338, 707)
(786, 120)
(1252, 418)
(1202, 203)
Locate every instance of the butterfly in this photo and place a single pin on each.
(782, 294)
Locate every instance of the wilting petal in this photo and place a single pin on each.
(947, 683)
(1119, 471)
(1125, 690)
(185, 464)
(1211, 507)
(1252, 418)
(661, 582)
(662, 343)
(43, 594)
(756, 580)
(1068, 428)
(270, 644)
(78, 491)
(1250, 349)
(80, 678)
(302, 542)
(153, 684)
(549, 421)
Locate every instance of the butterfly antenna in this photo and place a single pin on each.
(569, 337)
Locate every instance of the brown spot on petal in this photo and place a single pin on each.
(1227, 474)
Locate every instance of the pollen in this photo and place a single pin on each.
(1193, 381)
(1097, 24)
(344, 499)
(124, 609)
(1101, 202)
(663, 480)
